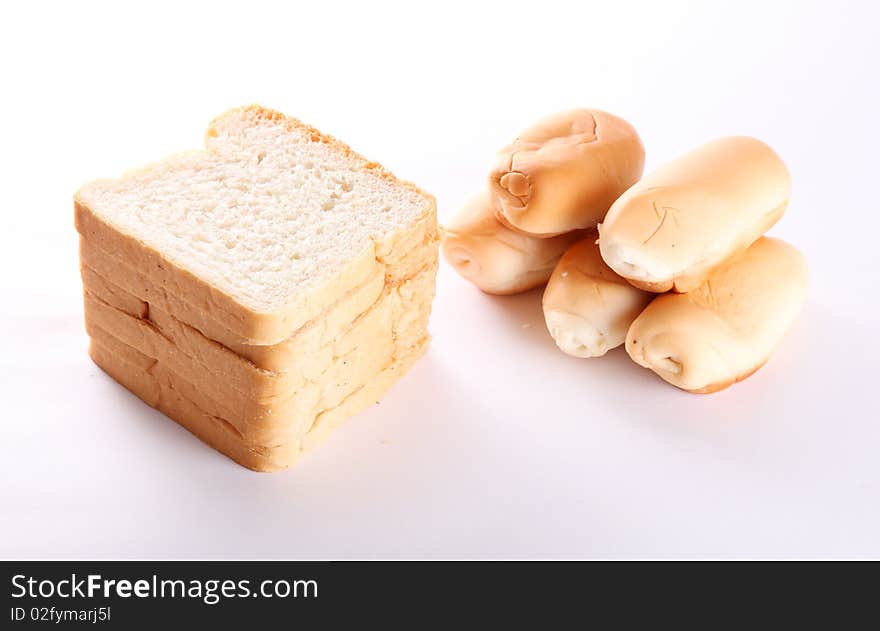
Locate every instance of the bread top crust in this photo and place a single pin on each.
(228, 223)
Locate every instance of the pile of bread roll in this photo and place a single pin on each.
(673, 265)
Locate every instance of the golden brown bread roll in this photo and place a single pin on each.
(495, 258)
(672, 228)
(588, 308)
(565, 171)
(725, 330)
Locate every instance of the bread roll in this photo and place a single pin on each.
(495, 258)
(672, 228)
(588, 308)
(722, 332)
(564, 172)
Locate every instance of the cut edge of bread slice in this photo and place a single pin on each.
(232, 152)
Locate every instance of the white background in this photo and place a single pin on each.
(496, 444)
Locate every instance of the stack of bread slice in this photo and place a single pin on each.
(674, 265)
(259, 291)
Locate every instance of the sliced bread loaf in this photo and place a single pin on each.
(259, 291)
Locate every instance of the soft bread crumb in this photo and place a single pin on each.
(630, 262)
(668, 364)
(574, 335)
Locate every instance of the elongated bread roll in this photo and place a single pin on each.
(588, 308)
(672, 228)
(565, 171)
(495, 258)
(725, 330)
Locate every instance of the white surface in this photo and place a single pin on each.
(495, 445)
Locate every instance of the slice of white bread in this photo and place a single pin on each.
(587, 307)
(281, 356)
(125, 288)
(282, 422)
(722, 332)
(264, 229)
(218, 369)
(161, 389)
